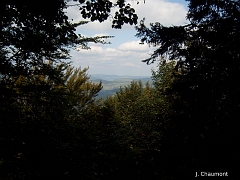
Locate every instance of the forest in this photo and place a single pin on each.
(185, 124)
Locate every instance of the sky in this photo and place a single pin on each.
(124, 55)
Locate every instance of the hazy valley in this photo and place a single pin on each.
(112, 83)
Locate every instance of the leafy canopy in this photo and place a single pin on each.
(100, 10)
(42, 99)
(205, 116)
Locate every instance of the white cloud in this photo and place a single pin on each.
(133, 46)
(167, 13)
(73, 13)
(124, 55)
(105, 60)
(130, 64)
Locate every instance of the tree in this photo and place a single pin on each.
(206, 110)
(30, 37)
(40, 138)
(37, 98)
(137, 113)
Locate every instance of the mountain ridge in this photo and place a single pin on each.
(114, 77)
(112, 83)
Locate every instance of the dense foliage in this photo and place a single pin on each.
(43, 99)
(206, 110)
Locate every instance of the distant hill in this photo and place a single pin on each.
(112, 83)
(115, 77)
